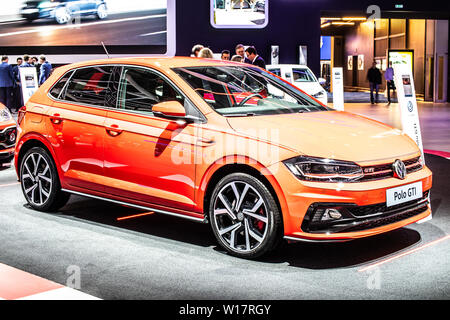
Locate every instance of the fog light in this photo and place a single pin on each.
(12, 137)
(331, 214)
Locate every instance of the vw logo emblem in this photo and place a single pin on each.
(410, 106)
(399, 169)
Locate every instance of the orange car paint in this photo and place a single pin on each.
(128, 157)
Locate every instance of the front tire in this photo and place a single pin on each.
(102, 12)
(62, 16)
(40, 182)
(244, 216)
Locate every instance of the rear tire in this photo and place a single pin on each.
(40, 182)
(245, 217)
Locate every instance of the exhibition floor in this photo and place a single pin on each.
(434, 120)
(162, 257)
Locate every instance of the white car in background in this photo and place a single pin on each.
(301, 77)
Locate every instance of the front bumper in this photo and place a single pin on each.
(302, 197)
(7, 143)
(7, 155)
(36, 13)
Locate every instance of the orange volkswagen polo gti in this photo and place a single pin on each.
(218, 142)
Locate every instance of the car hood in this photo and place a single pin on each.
(329, 134)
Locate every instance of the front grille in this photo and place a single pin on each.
(358, 218)
(382, 221)
(371, 210)
(384, 171)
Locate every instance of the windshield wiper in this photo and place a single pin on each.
(250, 114)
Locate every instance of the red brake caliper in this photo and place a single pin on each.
(260, 224)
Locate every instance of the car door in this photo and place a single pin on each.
(149, 159)
(75, 124)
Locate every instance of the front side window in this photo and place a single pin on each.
(303, 75)
(140, 89)
(246, 91)
(89, 85)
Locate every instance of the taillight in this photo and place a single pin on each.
(21, 114)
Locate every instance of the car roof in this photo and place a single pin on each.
(297, 66)
(157, 62)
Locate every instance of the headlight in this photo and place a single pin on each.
(324, 170)
(5, 115)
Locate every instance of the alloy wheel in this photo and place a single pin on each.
(36, 179)
(241, 217)
(62, 16)
(102, 12)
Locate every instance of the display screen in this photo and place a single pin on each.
(56, 23)
(403, 57)
(239, 13)
(407, 88)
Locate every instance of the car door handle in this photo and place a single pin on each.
(205, 141)
(56, 118)
(113, 130)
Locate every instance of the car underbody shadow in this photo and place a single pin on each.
(160, 225)
(313, 255)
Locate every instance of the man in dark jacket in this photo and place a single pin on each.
(240, 51)
(374, 77)
(46, 69)
(7, 82)
(255, 59)
(17, 92)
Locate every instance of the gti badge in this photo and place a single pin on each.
(399, 169)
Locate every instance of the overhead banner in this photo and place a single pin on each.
(338, 89)
(29, 82)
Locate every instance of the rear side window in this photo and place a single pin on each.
(55, 92)
(89, 85)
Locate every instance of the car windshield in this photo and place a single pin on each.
(246, 91)
(303, 75)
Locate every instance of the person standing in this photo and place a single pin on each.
(17, 92)
(389, 76)
(206, 53)
(35, 63)
(236, 58)
(374, 77)
(196, 50)
(225, 55)
(240, 51)
(46, 69)
(255, 59)
(26, 62)
(19, 62)
(7, 83)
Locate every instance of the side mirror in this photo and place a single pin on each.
(322, 81)
(169, 110)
